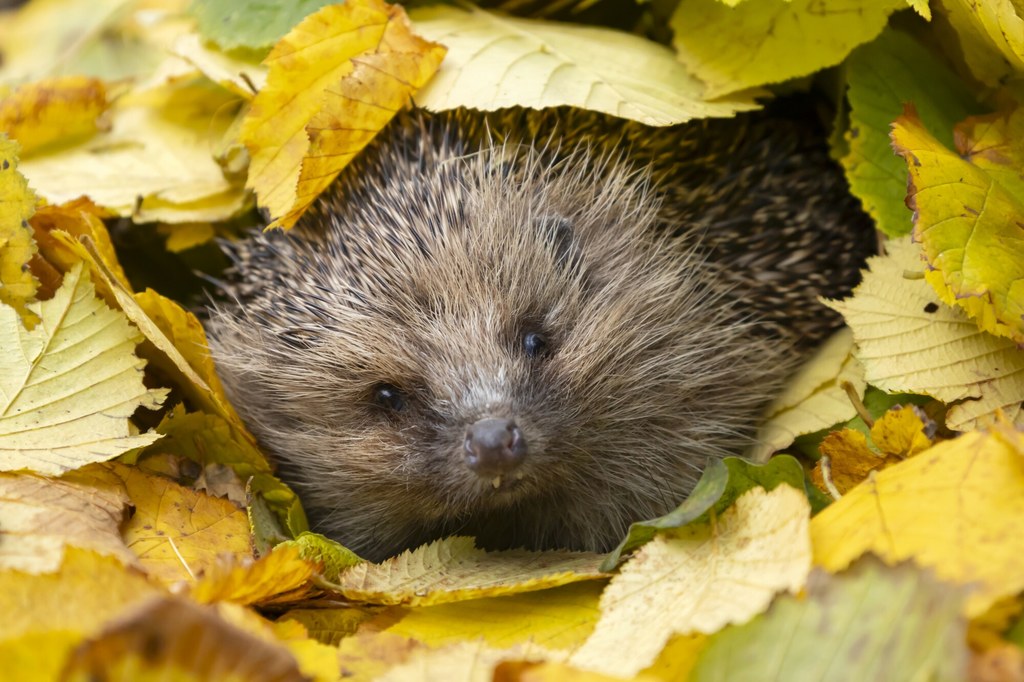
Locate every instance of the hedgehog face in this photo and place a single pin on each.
(505, 349)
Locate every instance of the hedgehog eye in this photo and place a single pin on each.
(389, 397)
(534, 345)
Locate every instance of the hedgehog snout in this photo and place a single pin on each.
(494, 447)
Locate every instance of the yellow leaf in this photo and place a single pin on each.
(700, 579)
(17, 202)
(496, 61)
(991, 36)
(40, 516)
(850, 460)
(814, 399)
(958, 508)
(968, 206)
(64, 109)
(158, 148)
(909, 343)
(233, 70)
(528, 671)
(469, 661)
(38, 657)
(560, 618)
(79, 218)
(177, 532)
(68, 392)
(901, 433)
(69, 599)
(172, 638)
(245, 581)
(768, 41)
(454, 569)
(335, 80)
(184, 236)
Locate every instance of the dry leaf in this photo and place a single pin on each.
(335, 80)
(282, 572)
(17, 202)
(700, 579)
(454, 569)
(54, 110)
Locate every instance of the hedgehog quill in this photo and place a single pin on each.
(533, 327)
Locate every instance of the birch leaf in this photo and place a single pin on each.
(495, 61)
(991, 36)
(814, 399)
(700, 579)
(250, 24)
(958, 508)
(67, 397)
(40, 516)
(968, 207)
(17, 202)
(869, 623)
(765, 41)
(238, 73)
(282, 572)
(454, 569)
(882, 75)
(909, 342)
(335, 80)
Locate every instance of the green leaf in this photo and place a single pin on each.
(871, 622)
(892, 70)
(250, 24)
(723, 481)
(334, 556)
(69, 387)
(767, 41)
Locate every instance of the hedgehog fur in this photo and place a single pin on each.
(628, 298)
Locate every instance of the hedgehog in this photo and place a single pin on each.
(529, 327)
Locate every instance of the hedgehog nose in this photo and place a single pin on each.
(494, 447)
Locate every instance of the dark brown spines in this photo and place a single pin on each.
(452, 239)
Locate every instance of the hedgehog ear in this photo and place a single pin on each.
(557, 229)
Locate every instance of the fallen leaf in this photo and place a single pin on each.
(468, 661)
(560, 618)
(241, 73)
(282, 572)
(173, 636)
(968, 207)
(957, 508)
(156, 153)
(901, 432)
(700, 579)
(250, 24)
(68, 600)
(335, 80)
(881, 76)
(453, 570)
(40, 516)
(38, 657)
(722, 482)
(814, 399)
(54, 110)
(991, 34)
(909, 342)
(176, 532)
(67, 397)
(763, 41)
(496, 61)
(17, 203)
(871, 622)
(332, 557)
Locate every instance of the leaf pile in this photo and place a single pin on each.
(143, 533)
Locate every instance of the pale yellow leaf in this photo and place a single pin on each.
(40, 516)
(184, 236)
(334, 81)
(176, 532)
(991, 36)
(69, 387)
(466, 662)
(454, 569)
(158, 151)
(242, 76)
(909, 342)
(769, 41)
(957, 508)
(814, 399)
(496, 61)
(701, 578)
